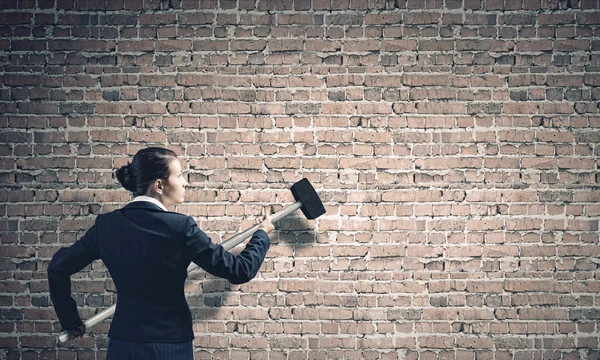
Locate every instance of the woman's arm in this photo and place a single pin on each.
(64, 263)
(215, 260)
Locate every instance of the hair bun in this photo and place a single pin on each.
(125, 178)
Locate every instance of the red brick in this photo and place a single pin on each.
(361, 45)
(196, 18)
(533, 45)
(247, 45)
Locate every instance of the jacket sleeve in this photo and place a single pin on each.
(215, 260)
(64, 263)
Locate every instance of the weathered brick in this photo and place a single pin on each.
(452, 142)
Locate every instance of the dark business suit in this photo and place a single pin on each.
(147, 251)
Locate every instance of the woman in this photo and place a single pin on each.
(147, 250)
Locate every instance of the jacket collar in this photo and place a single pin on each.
(142, 204)
(149, 199)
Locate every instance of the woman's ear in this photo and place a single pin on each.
(157, 186)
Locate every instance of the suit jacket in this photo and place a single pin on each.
(147, 251)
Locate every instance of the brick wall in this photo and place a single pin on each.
(454, 142)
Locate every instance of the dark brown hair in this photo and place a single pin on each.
(147, 165)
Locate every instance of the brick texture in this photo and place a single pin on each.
(455, 144)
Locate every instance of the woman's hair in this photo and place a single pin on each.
(147, 165)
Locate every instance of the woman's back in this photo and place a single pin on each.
(144, 249)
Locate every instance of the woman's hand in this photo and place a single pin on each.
(79, 332)
(266, 223)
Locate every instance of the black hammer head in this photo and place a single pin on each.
(312, 206)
